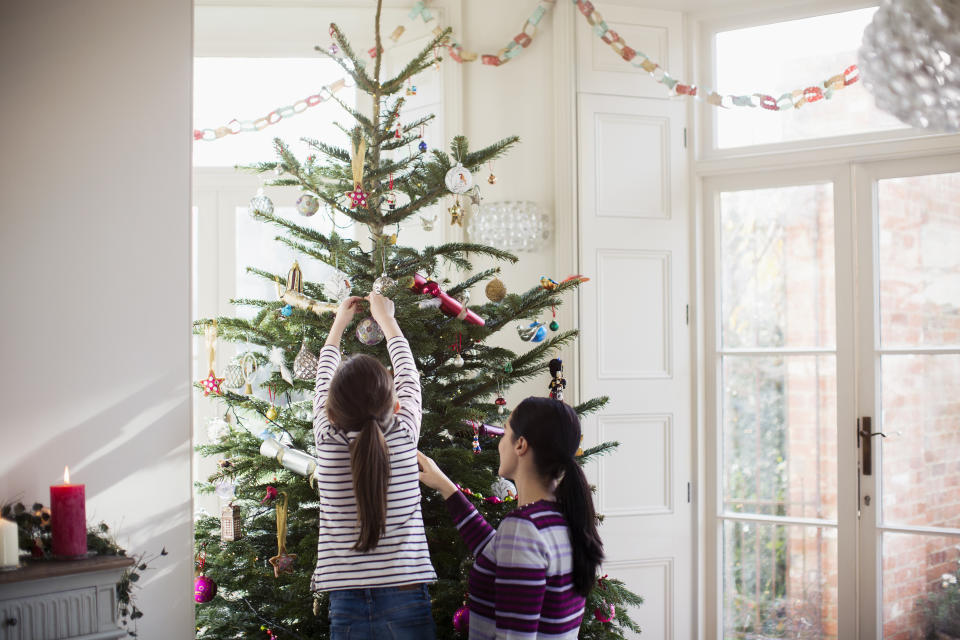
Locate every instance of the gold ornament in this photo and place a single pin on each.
(456, 214)
(271, 413)
(496, 291)
(295, 279)
(492, 179)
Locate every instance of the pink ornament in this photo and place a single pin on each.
(600, 613)
(461, 619)
(271, 494)
(448, 305)
(494, 499)
(204, 589)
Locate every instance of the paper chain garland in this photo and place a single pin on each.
(788, 100)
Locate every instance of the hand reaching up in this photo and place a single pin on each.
(381, 308)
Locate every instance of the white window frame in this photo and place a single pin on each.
(705, 27)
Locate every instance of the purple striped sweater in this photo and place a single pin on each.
(401, 556)
(521, 584)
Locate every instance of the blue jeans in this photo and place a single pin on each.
(383, 613)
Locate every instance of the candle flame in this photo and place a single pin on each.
(66, 475)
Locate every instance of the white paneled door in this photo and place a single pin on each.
(634, 245)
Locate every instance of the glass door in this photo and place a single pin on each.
(909, 398)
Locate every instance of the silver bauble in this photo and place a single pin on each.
(260, 203)
(305, 364)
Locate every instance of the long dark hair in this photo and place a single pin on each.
(361, 399)
(552, 429)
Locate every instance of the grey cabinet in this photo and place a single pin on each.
(53, 600)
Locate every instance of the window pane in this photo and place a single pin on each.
(921, 594)
(921, 417)
(779, 435)
(776, 256)
(784, 56)
(250, 88)
(257, 247)
(919, 258)
(779, 581)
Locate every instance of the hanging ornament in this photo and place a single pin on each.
(297, 299)
(397, 134)
(217, 429)
(283, 561)
(233, 375)
(278, 361)
(491, 179)
(422, 146)
(295, 278)
(910, 60)
(286, 311)
(503, 489)
(225, 489)
(457, 348)
(305, 364)
(508, 368)
(476, 440)
(459, 180)
(428, 221)
(249, 365)
(231, 523)
(369, 332)
(458, 361)
(554, 325)
(272, 412)
(337, 287)
(448, 305)
(358, 198)
(557, 382)
(461, 619)
(261, 204)
(605, 613)
(307, 205)
(278, 169)
(532, 333)
(299, 462)
(204, 588)
(456, 213)
(411, 89)
(211, 384)
(384, 285)
(501, 403)
(496, 291)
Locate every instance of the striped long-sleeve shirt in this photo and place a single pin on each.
(521, 584)
(401, 556)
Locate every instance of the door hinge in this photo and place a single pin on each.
(688, 493)
(688, 315)
(684, 137)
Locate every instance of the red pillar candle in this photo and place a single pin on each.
(68, 518)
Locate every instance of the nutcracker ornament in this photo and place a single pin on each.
(557, 382)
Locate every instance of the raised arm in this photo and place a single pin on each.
(474, 530)
(327, 365)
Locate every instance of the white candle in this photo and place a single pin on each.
(9, 546)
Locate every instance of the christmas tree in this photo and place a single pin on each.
(461, 374)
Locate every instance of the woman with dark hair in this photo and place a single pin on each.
(532, 575)
(372, 554)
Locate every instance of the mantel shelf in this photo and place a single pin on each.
(40, 569)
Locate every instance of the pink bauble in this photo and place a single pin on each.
(603, 614)
(204, 589)
(461, 619)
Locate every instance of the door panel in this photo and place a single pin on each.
(634, 246)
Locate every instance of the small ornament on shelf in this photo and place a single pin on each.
(261, 204)
(231, 523)
(532, 333)
(369, 332)
(307, 205)
(496, 291)
(557, 382)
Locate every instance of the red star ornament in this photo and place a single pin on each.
(283, 563)
(357, 197)
(211, 384)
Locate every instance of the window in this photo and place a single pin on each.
(803, 52)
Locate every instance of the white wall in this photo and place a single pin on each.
(514, 99)
(95, 255)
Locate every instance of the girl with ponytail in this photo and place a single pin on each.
(532, 575)
(372, 554)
